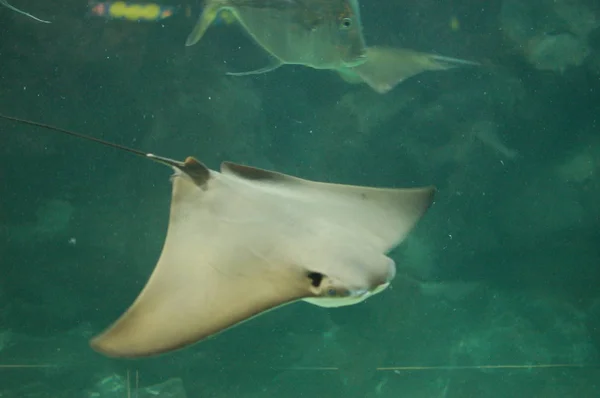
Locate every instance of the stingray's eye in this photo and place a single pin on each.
(346, 23)
(331, 292)
(315, 278)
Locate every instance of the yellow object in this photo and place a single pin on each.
(121, 9)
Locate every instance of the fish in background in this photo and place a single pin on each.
(15, 9)
(321, 34)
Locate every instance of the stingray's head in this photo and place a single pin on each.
(355, 284)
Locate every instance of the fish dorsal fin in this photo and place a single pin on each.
(208, 15)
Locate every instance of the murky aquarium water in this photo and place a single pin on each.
(299, 198)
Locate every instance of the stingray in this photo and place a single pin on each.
(242, 241)
(15, 9)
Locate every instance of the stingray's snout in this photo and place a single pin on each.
(385, 272)
(382, 282)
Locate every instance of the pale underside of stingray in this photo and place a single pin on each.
(382, 70)
(243, 241)
(15, 9)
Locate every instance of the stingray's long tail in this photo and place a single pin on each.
(74, 134)
(15, 9)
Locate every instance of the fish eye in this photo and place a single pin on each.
(346, 23)
(331, 291)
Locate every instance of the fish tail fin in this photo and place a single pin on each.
(209, 13)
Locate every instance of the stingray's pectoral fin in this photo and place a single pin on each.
(209, 13)
(218, 267)
(188, 299)
(15, 9)
(387, 67)
(275, 64)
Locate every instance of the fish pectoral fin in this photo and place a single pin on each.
(207, 17)
(269, 68)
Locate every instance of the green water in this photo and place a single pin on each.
(496, 292)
